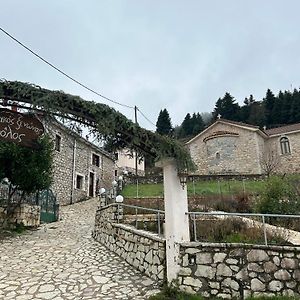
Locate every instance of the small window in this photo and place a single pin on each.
(95, 160)
(116, 172)
(285, 145)
(79, 182)
(57, 142)
(218, 156)
(116, 156)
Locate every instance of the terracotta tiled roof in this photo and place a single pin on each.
(238, 123)
(283, 129)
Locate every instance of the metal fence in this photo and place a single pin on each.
(45, 199)
(17, 196)
(268, 223)
(132, 210)
(273, 229)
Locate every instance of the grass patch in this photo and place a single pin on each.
(20, 228)
(173, 293)
(184, 296)
(199, 188)
(273, 298)
(179, 296)
(144, 190)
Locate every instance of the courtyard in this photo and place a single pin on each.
(61, 261)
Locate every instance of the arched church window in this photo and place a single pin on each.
(285, 145)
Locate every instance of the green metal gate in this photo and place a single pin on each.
(49, 206)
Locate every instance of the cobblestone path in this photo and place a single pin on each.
(61, 261)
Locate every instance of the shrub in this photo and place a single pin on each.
(233, 230)
(243, 203)
(227, 205)
(278, 197)
(173, 293)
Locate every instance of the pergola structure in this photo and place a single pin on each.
(105, 122)
(108, 124)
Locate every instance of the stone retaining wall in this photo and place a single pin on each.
(195, 203)
(26, 214)
(141, 249)
(239, 270)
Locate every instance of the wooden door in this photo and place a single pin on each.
(91, 184)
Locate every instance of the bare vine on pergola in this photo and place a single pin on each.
(103, 121)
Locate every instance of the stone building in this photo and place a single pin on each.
(284, 145)
(233, 148)
(126, 163)
(80, 168)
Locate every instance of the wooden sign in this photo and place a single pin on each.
(21, 129)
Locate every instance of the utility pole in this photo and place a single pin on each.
(136, 158)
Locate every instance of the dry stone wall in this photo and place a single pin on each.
(25, 214)
(239, 270)
(141, 249)
(209, 269)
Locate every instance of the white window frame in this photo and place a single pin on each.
(100, 160)
(285, 146)
(83, 181)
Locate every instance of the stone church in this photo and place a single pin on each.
(234, 148)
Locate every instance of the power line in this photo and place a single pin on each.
(62, 72)
(73, 79)
(146, 117)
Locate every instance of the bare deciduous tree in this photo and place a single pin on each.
(269, 160)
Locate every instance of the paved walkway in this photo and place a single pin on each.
(61, 261)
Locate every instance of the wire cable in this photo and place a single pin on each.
(63, 73)
(146, 117)
(73, 79)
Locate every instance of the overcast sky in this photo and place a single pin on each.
(180, 55)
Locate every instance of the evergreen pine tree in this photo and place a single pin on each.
(245, 110)
(295, 107)
(269, 102)
(186, 127)
(257, 114)
(286, 108)
(227, 108)
(276, 113)
(198, 124)
(163, 124)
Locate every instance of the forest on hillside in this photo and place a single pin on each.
(271, 111)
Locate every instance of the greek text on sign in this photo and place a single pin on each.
(19, 128)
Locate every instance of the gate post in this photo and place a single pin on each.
(176, 219)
